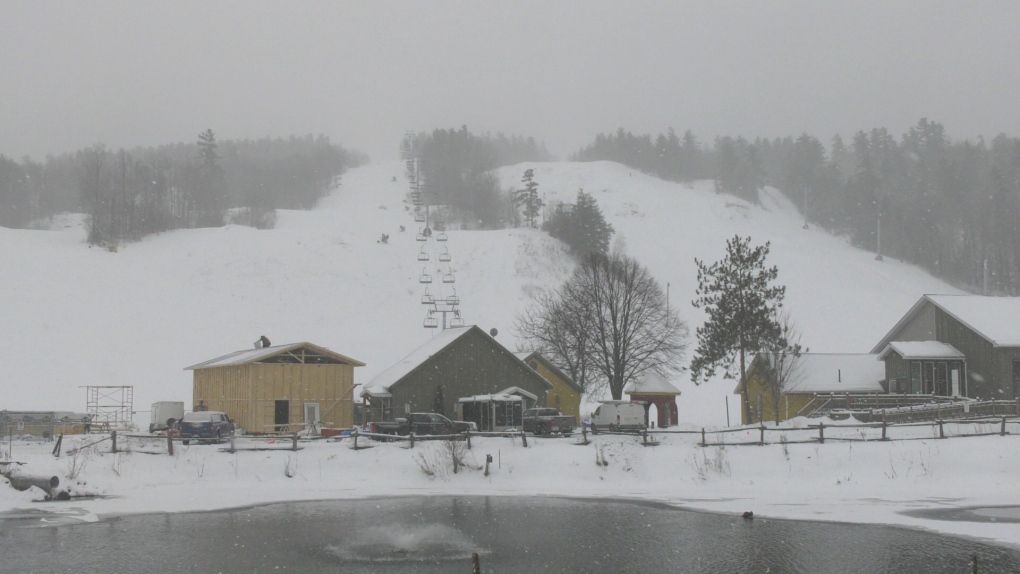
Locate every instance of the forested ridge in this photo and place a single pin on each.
(945, 205)
(131, 193)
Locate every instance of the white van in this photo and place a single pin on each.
(618, 415)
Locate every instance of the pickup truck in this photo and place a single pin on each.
(545, 421)
(420, 424)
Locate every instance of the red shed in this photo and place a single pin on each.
(652, 389)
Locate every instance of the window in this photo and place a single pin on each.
(941, 379)
(915, 377)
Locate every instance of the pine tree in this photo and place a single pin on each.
(529, 199)
(581, 226)
(742, 305)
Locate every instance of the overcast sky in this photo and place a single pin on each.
(73, 73)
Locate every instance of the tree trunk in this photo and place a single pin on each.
(745, 395)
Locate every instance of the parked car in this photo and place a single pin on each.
(212, 426)
(546, 420)
(419, 424)
(618, 416)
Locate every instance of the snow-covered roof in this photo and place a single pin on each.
(256, 355)
(495, 397)
(922, 350)
(993, 318)
(418, 356)
(650, 384)
(835, 373)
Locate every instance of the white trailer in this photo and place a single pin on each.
(164, 414)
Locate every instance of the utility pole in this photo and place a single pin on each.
(805, 209)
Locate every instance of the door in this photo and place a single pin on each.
(281, 416)
(311, 413)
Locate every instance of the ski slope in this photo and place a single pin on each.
(74, 316)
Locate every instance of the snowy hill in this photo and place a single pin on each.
(73, 316)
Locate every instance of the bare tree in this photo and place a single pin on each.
(611, 318)
(552, 327)
(781, 363)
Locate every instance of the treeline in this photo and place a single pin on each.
(948, 206)
(457, 166)
(128, 194)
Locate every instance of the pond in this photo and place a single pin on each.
(510, 534)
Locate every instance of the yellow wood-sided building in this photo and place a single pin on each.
(565, 394)
(812, 374)
(278, 388)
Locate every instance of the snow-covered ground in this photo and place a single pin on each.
(75, 316)
(869, 482)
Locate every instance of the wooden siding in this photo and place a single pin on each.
(980, 354)
(790, 404)
(562, 396)
(471, 365)
(248, 393)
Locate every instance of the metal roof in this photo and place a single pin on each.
(922, 350)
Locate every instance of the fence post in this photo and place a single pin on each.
(233, 447)
(170, 442)
(56, 447)
(821, 433)
(411, 436)
(884, 425)
(468, 434)
(761, 441)
(942, 433)
(113, 437)
(1003, 431)
(355, 433)
(584, 434)
(524, 439)
(703, 443)
(293, 445)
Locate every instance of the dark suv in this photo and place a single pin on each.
(213, 426)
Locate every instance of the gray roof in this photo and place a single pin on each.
(993, 318)
(650, 384)
(418, 356)
(258, 355)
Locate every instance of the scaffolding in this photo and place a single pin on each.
(109, 407)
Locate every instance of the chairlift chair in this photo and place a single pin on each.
(427, 299)
(441, 236)
(419, 217)
(453, 300)
(423, 255)
(448, 278)
(421, 237)
(445, 255)
(456, 321)
(430, 323)
(424, 278)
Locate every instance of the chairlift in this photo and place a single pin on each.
(456, 321)
(419, 217)
(445, 255)
(448, 278)
(423, 255)
(441, 236)
(430, 323)
(427, 299)
(424, 278)
(421, 237)
(453, 300)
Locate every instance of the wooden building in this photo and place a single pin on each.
(278, 388)
(955, 345)
(456, 363)
(812, 375)
(652, 389)
(565, 394)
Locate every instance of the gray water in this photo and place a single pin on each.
(511, 534)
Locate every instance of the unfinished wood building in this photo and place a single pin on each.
(282, 388)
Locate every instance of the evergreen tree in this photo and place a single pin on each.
(529, 199)
(742, 305)
(581, 226)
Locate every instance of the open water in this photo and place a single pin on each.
(510, 534)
